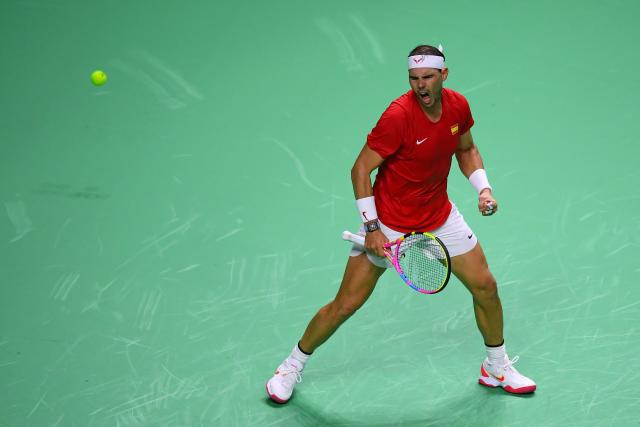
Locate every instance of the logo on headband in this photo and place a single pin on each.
(418, 59)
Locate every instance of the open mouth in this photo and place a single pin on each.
(425, 96)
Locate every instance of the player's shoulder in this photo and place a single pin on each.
(457, 104)
(401, 106)
(455, 98)
(405, 101)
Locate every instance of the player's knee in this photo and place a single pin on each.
(344, 308)
(486, 288)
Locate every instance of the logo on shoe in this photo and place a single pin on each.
(487, 373)
(498, 378)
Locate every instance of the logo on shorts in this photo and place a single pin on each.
(470, 236)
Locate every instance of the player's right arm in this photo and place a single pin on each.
(368, 160)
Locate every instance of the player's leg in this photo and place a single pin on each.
(497, 369)
(469, 264)
(473, 271)
(359, 280)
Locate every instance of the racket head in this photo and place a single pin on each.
(422, 261)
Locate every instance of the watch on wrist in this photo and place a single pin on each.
(372, 225)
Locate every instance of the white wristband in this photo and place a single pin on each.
(367, 208)
(479, 180)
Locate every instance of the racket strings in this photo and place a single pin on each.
(424, 262)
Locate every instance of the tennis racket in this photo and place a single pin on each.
(421, 260)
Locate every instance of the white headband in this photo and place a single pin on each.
(427, 61)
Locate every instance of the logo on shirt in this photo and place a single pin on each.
(454, 129)
(421, 141)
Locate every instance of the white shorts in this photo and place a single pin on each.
(454, 233)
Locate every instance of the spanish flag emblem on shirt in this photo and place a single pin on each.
(454, 129)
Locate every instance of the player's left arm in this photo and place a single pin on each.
(471, 165)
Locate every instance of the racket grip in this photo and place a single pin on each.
(354, 238)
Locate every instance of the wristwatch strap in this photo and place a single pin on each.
(372, 225)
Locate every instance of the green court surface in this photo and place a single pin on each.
(165, 238)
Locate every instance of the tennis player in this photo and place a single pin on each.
(412, 146)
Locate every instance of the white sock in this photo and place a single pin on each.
(298, 357)
(496, 355)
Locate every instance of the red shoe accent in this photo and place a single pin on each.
(274, 397)
(521, 390)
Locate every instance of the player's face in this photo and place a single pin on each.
(426, 83)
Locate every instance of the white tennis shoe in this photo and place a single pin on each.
(505, 376)
(280, 386)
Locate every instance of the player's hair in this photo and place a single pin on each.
(425, 49)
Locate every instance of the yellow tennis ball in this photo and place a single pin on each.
(98, 78)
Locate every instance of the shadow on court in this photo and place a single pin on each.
(480, 406)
